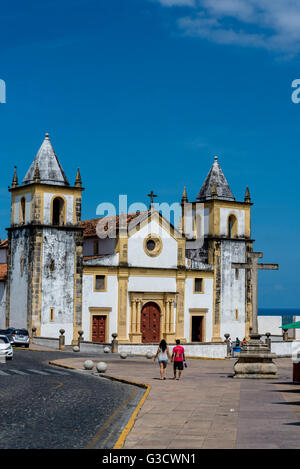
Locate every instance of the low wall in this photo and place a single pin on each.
(282, 349)
(46, 341)
(201, 350)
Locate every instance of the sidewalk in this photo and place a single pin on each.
(207, 408)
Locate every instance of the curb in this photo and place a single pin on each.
(120, 443)
(121, 440)
(63, 366)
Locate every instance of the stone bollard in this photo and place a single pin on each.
(268, 340)
(33, 334)
(101, 367)
(114, 343)
(80, 338)
(227, 342)
(61, 340)
(88, 365)
(285, 335)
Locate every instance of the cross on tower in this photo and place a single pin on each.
(151, 195)
(253, 265)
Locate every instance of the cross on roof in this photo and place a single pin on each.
(253, 265)
(151, 195)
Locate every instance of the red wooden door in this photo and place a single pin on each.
(150, 323)
(98, 332)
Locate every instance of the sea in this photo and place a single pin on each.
(288, 315)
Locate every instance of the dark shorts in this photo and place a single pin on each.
(178, 366)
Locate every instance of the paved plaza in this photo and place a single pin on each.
(208, 408)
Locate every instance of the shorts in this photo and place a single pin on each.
(178, 365)
(163, 361)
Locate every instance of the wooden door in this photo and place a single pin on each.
(98, 331)
(197, 329)
(150, 323)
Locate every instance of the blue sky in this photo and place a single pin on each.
(141, 94)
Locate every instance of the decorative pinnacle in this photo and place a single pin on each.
(216, 158)
(247, 195)
(36, 176)
(15, 179)
(46, 135)
(184, 198)
(78, 181)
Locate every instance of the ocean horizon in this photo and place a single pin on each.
(278, 311)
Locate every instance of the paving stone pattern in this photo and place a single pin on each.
(208, 408)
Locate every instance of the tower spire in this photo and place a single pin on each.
(15, 179)
(247, 195)
(184, 198)
(78, 182)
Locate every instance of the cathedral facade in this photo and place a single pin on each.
(145, 279)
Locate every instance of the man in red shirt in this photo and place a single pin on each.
(178, 358)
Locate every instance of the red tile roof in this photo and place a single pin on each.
(3, 272)
(4, 243)
(107, 224)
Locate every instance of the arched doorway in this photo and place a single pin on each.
(150, 323)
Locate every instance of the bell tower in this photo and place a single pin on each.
(224, 226)
(44, 288)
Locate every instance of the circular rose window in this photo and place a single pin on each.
(153, 245)
(150, 245)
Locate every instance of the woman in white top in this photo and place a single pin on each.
(163, 356)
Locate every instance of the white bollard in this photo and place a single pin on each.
(101, 367)
(88, 365)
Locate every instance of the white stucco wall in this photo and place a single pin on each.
(137, 256)
(240, 216)
(217, 351)
(47, 207)
(58, 286)
(19, 281)
(92, 299)
(269, 324)
(198, 301)
(151, 284)
(232, 290)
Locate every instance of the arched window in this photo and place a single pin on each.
(22, 210)
(232, 227)
(58, 211)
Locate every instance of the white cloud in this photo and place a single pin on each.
(270, 24)
(179, 3)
